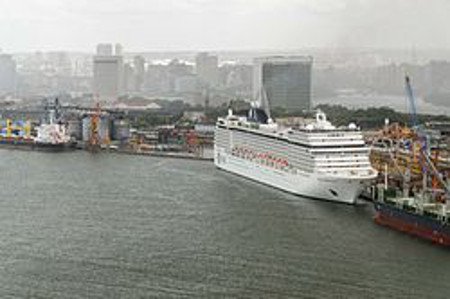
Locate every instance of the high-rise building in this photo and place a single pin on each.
(60, 62)
(128, 77)
(207, 68)
(438, 77)
(139, 70)
(104, 49)
(118, 50)
(8, 74)
(177, 69)
(156, 79)
(108, 74)
(284, 80)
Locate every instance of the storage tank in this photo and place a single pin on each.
(86, 128)
(104, 129)
(121, 130)
(74, 129)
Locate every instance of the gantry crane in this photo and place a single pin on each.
(424, 154)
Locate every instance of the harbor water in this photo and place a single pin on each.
(77, 225)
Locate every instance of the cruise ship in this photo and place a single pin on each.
(316, 160)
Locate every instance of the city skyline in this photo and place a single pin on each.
(207, 25)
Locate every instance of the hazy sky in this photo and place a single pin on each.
(27, 25)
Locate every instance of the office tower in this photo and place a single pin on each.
(438, 76)
(284, 80)
(108, 74)
(139, 72)
(104, 50)
(128, 78)
(8, 74)
(118, 50)
(207, 68)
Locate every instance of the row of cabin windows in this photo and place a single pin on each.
(278, 146)
(258, 138)
(289, 168)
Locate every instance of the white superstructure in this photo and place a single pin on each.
(317, 160)
(52, 133)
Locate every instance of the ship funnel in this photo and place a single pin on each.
(51, 116)
(321, 117)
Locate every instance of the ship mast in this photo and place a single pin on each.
(264, 100)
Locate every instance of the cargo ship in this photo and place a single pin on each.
(419, 215)
(414, 197)
(51, 135)
(16, 135)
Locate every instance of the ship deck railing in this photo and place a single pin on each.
(436, 210)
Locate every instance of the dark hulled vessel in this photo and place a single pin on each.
(430, 222)
(426, 225)
(51, 134)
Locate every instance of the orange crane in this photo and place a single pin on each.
(94, 138)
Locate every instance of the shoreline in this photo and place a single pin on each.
(162, 154)
(176, 155)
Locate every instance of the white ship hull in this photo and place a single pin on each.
(315, 186)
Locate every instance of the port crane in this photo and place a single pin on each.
(412, 101)
(94, 138)
(426, 160)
